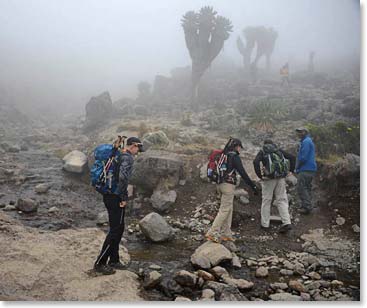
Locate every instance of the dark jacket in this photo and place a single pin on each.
(306, 156)
(126, 168)
(260, 158)
(234, 164)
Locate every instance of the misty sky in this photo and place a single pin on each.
(63, 52)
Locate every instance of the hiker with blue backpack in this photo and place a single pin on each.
(223, 167)
(272, 165)
(110, 176)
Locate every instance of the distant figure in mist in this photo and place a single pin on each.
(284, 74)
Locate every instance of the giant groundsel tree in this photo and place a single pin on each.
(205, 33)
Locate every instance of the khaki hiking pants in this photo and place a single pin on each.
(276, 188)
(222, 223)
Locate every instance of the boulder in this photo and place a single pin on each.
(155, 228)
(163, 200)
(210, 254)
(98, 110)
(75, 162)
(156, 167)
(185, 278)
(285, 297)
(102, 218)
(27, 205)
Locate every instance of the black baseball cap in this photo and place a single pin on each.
(136, 140)
(236, 142)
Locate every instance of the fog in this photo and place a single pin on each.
(60, 53)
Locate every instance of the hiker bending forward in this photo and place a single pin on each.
(221, 228)
(115, 204)
(275, 168)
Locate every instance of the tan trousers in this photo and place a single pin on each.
(222, 223)
(276, 188)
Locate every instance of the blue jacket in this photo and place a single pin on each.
(306, 156)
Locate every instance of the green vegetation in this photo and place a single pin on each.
(335, 139)
(265, 113)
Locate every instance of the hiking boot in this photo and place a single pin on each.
(212, 238)
(227, 239)
(230, 246)
(117, 266)
(104, 269)
(285, 228)
(304, 211)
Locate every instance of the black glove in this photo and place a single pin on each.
(255, 190)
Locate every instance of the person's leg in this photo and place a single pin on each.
(267, 197)
(226, 206)
(109, 245)
(281, 201)
(226, 231)
(117, 233)
(304, 187)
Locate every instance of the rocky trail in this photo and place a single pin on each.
(52, 222)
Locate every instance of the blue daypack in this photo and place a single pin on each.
(104, 173)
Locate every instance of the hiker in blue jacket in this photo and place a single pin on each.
(306, 169)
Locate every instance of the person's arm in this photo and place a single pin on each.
(237, 164)
(291, 158)
(124, 175)
(303, 153)
(259, 158)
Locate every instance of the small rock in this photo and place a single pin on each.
(155, 267)
(210, 254)
(207, 295)
(75, 162)
(163, 200)
(53, 209)
(241, 284)
(284, 297)
(356, 228)
(152, 279)
(279, 286)
(262, 272)
(205, 275)
(288, 265)
(182, 299)
(155, 228)
(251, 263)
(329, 275)
(305, 297)
(185, 278)
(9, 207)
(336, 283)
(42, 188)
(206, 222)
(219, 272)
(297, 286)
(314, 275)
(244, 200)
(27, 205)
(286, 272)
(340, 221)
(236, 261)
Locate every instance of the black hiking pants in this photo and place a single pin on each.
(116, 217)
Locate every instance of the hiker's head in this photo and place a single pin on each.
(236, 145)
(134, 145)
(302, 132)
(268, 141)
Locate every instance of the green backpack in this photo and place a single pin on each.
(276, 165)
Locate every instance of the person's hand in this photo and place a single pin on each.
(123, 203)
(255, 190)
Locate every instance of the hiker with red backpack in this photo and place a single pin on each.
(222, 169)
(276, 165)
(110, 176)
